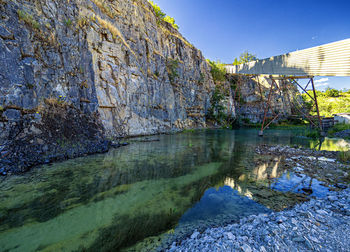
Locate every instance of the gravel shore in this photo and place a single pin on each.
(317, 225)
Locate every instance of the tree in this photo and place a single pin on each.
(217, 70)
(330, 92)
(245, 57)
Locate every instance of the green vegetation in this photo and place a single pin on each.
(171, 21)
(315, 134)
(189, 131)
(330, 102)
(282, 124)
(330, 92)
(172, 66)
(217, 70)
(344, 156)
(216, 112)
(245, 57)
(162, 16)
(28, 19)
(337, 128)
(68, 22)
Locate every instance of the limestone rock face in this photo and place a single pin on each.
(148, 78)
(252, 95)
(75, 72)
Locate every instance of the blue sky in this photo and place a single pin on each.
(222, 29)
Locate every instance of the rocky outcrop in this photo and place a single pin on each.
(74, 73)
(148, 78)
(252, 93)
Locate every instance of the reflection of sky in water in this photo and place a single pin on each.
(217, 207)
(292, 182)
(142, 190)
(224, 201)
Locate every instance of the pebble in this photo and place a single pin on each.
(321, 224)
(246, 248)
(230, 236)
(194, 235)
(332, 198)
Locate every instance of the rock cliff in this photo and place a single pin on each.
(252, 93)
(76, 72)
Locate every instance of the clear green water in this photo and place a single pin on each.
(128, 197)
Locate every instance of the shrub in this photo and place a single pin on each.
(217, 110)
(171, 21)
(337, 128)
(68, 22)
(28, 19)
(217, 70)
(162, 16)
(328, 105)
(330, 92)
(313, 134)
(344, 156)
(159, 13)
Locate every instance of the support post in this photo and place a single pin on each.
(261, 133)
(318, 111)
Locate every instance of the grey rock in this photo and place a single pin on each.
(195, 235)
(12, 114)
(126, 88)
(246, 248)
(332, 198)
(5, 34)
(230, 236)
(298, 239)
(263, 249)
(322, 212)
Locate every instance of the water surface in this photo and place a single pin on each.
(140, 196)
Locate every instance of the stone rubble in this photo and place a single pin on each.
(313, 163)
(317, 225)
(343, 134)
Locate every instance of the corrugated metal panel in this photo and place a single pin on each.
(331, 59)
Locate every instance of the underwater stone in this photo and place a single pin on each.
(12, 114)
(194, 235)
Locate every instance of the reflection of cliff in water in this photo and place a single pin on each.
(110, 201)
(130, 196)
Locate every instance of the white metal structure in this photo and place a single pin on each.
(331, 59)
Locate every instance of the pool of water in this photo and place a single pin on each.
(140, 196)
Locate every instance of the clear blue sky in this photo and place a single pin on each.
(222, 29)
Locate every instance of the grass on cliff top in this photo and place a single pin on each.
(162, 16)
(330, 102)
